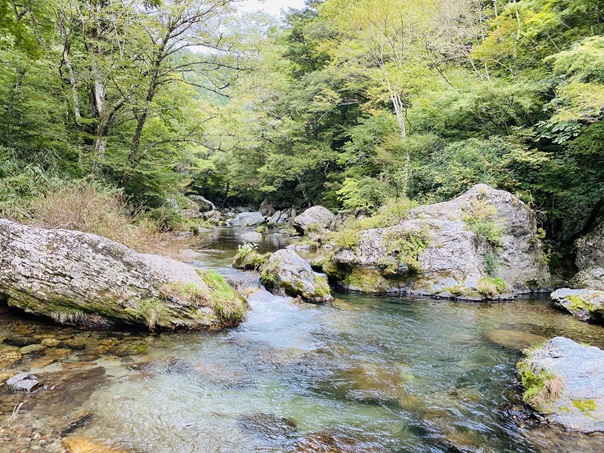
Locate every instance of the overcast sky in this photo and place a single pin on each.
(270, 6)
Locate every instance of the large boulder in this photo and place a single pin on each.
(564, 381)
(317, 218)
(590, 260)
(248, 219)
(585, 304)
(286, 274)
(82, 279)
(482, 244)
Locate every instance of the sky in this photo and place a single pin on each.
(270, 6)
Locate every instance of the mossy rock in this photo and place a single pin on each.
(286, 273)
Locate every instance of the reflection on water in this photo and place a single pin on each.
(220, 245)
(364, 374)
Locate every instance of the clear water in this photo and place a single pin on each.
(363, 374)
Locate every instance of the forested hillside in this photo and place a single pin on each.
(349, 104)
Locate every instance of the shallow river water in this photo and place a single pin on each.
(362, 374)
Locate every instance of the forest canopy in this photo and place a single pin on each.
(349, 104)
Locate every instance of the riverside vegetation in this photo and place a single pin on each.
(346, 105)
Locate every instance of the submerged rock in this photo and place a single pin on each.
(84, 444)
(268, 426)
(585, 304)
(82, 279)
(513, 339)
(317, 217)
(482, 244)
(564, 381)
(286, 274)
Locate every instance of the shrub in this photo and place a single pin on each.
(90, 207)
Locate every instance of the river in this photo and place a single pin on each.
(361, 374)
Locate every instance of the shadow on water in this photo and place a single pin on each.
(362, 374)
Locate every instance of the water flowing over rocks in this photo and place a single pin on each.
(286, 273)
(564, 381)
(482, 244)
(316, 217)
(82, 279)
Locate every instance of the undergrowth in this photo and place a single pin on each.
(88, 206)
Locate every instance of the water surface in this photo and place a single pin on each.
(365, 373)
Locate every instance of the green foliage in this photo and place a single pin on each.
(541, 388)
(248, 257)
(481, 219)
(492, 286)
(230, 306)
(406, 247)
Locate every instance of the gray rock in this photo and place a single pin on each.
(590, 260)
(16, 378)
(585, 304)
(23, 382)
(213, 216)
(285, 273)
(252, 237)
(571, 379)
(592, 278)
(316, 217)
(273, 220)
(82, 279)
(440, 248)
(266, 209)
(247, 219)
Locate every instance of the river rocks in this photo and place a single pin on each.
(315, 218)
(213, 217)
(252, 237)
(84, 444)
(482, 244)
(280, 218)
(585, 304)
(285, 273)
(248, 219)
(513, 339)
(266, 209)
(9, 357)
(564, 381)
(82, 279)
(590, 260)
(23, 382)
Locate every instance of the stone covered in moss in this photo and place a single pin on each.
(286, 273)
(82, 279)
(249, 260)
(484, 242)
(585, 304)
(564, 381)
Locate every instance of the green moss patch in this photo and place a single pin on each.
(585, 405)
(491, 287)
(542, 388)
(230, 306)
